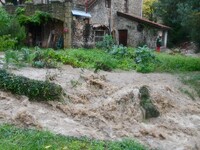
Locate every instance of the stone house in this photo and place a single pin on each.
(121, 18)
(85, 22)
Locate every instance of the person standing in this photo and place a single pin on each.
(158, 43)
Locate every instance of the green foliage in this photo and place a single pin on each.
(148, 9)
(7, 42)
(145, 60)
(9, 26)
(24, 139)
(195, 29)
(37, 18)
(174, 63)
(105, 64)
(107, 43)
(35, 90)
(119, 50)
(4, 18)
(37, 58)
(181, 16)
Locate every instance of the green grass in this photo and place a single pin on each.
(99, 59)
(192, 79)
(12, 138)
(90, 58)
(177, 63)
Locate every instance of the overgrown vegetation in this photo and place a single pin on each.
(35, 57)
(23, 139)
(183, 17)
(7, 42)
(37, 18)
(177, 63)
(11, 32)
(34, 89)
(145, 60)
(106, 44)
(141, 59)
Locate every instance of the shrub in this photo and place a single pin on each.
(107, 43)
(119, 50)
(145, 60)
(9, 25)
(37, 58)
(34, 89)
(7, 42)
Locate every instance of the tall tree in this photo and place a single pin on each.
(183, 16)
(148, 9)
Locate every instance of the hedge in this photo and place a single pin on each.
(34, 89)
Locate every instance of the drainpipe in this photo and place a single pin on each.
(110, 18)
(141, 6)
(86, 6)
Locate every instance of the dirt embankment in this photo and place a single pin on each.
(107, 106)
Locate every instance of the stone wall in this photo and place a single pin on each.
(82, 37)
(136, 38)
(58, 11)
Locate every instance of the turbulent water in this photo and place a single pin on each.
(107, 106)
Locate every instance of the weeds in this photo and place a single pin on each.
(141, 59)
(24, 139)
(177, 63)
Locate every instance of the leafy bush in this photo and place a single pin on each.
(34, 89)
(37, 58)
(7, 42)
(9, 25)
(145, 60)
(119, 50)
(107, 43)
(87, 59)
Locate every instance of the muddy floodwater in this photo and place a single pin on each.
(106, 106)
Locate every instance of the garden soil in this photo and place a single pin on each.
(106, 106)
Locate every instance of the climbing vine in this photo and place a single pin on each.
(37, 18)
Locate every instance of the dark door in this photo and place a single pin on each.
(123, 35)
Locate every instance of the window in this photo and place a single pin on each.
(108, 3)
(99, 34)
(126, 6)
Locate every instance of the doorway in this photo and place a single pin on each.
(123, 36)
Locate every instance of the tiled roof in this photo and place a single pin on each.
(142, 20)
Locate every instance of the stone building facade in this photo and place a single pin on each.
(128, 31)
(48, 34)
(84, 22)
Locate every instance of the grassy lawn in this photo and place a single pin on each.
(12, 138)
